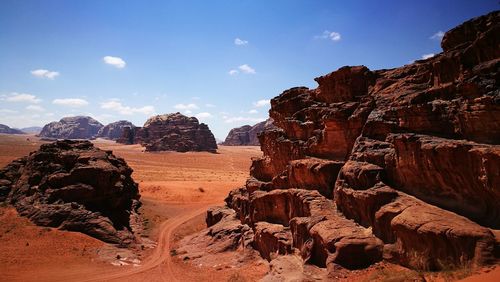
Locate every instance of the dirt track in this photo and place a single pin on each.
(176, 187)
(157, 267)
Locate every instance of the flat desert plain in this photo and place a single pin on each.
(176, 189)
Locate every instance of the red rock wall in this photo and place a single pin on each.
(401, 163)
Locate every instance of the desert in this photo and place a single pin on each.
(176, 190)
(250, 141)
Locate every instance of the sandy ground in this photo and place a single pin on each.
(176, 189)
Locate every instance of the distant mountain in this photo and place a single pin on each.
(114, 130)
(171, 132)
(79, 127)
(247, 135)
(7, 130)
(32, 129)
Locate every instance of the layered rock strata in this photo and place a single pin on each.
(74, 186)
(399, 164)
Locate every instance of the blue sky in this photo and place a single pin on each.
(218, 60)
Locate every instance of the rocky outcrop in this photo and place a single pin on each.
(74, 186)
(114, 130)
(247, 135)
(171, 132)
(400, 164)
(79, 127)
(7, 130)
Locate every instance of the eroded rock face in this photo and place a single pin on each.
(7, 130)
(400, 164)
(171, 132)
(79, 127)
(247, 135)
(114, 130)
(74, 186)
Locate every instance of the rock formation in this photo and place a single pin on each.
(399, 164)
(247, 135)
(114, 130)
(171, 132)
(74, 186)
(79, 127)
(7, 130)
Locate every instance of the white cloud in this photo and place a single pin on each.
(116, 106)
(242, 119)
(114, 61)
(22, 98)
(240, 42)
(332, 35)
(233, 72)
(70, 102)
(437, 36)
(35, 108)
(427, 56)
(186, 106)
(187, 112)
(246, 69)
(262, 103)
(208, 105)
(254, 111)
(45, 73)
(203, 115)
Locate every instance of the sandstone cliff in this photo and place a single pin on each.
(74, 186)
(399, 164)
(247, 135)
(78, 127)
(114, 130)
(171, 132)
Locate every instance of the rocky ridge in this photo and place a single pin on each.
(398, 164)
(78, 127)
(171, 132)
(74, 186)
(247, 135)
(114, 130)
(7, 130)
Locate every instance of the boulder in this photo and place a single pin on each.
(78, 127)
(74, 186)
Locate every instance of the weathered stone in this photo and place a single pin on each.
(412, 155)
(74, 186)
